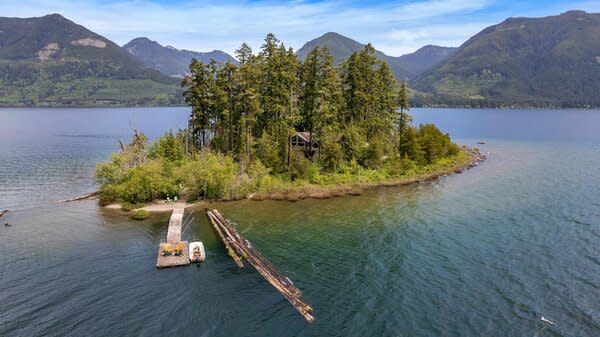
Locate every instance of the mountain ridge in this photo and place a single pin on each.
(550, 61)
(404, 67)
(51, 60)
(170, 60)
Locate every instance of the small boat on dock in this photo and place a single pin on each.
(197, 253)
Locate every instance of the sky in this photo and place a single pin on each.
(394, 27)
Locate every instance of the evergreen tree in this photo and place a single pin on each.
(251, 110)
(226, 92)
(278, 89)
(199, 93)
(247, 97)
(404, 118)
(320, 95)
(244, 54)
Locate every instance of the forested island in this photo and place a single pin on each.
(275, 127)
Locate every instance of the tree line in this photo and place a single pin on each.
(354, 112)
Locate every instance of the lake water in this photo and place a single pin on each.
(483, 253)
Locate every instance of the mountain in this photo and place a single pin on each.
(425, 58)
(342, 47)
(51, 61)
(551, 61)
(168, 60)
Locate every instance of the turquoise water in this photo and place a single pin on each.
(483, 253)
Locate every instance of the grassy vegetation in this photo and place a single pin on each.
(143, 173)
(140, 214)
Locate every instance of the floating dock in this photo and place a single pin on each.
(174, 239)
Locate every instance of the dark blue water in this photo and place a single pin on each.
(484, 253)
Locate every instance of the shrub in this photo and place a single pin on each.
(300, 166)
(331, 153)
(374, 154)
(353, 143)
(170, 148)
(107, 195)
(146, 183)
(128, 206)
(210, 176)
(140, 214)
(410, 147)
(434, 143)
(267, 151)
(399, 167)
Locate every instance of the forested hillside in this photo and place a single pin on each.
(50, 61)
(552, 61)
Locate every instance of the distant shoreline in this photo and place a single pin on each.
(440, 106)
(89, 106)
(473, 159)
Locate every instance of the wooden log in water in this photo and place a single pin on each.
(81, 197)
(226, 241)
(235, 241)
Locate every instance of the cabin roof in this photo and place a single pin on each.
(304, 135)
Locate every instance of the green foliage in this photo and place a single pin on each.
(354, 142)
(409, 145)
(146, 182)
(331, 153)
(245, 116)
(374, 154)
(140, 214)
(434, 144)
(128, 206)
(301, 167)
(267, 151)
(209, 176)
(170, 148)
(341, 48)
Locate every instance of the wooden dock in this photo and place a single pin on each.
(238, 247)
(173, 239)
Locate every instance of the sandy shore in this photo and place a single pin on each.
(162, 205)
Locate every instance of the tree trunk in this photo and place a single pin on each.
(400, 128)
(247, 139)
(289, 152)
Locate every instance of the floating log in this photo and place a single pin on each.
(226, 241)
(81, 197)
(240, 246)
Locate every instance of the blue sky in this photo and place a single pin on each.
(394, 27)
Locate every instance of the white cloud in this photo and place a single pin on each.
(394, 28)
(402, 41)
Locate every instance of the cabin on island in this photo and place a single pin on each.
(301, 141)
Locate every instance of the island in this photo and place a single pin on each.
(273, 127)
